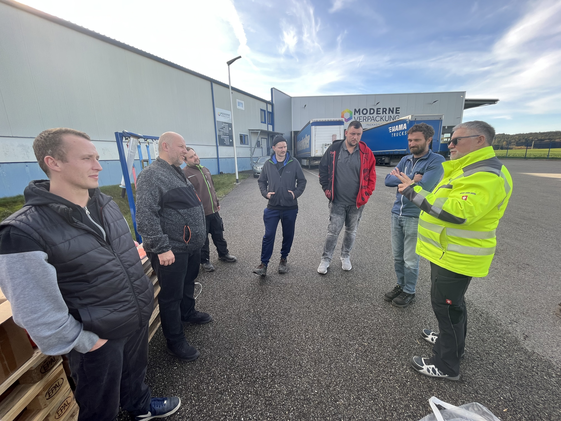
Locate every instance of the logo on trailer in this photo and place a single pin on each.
(347, 115)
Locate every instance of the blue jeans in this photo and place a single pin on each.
(340, 215)
(271, 218)
(406, 260)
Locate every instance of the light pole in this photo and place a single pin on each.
(232, 110)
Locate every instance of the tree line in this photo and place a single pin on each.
(539, 140)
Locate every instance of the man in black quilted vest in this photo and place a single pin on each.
(70, 269)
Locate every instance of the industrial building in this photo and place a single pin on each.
(54, 73)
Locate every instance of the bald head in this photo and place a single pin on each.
(168, 138)
(172, 148)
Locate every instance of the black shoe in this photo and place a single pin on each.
(207, 267)
(389, 296)
(184, 351)
(261, 270)
(161, 408)
(228, 258)
(403, 300)
(198, 318)
(430, 336)
(283, 266)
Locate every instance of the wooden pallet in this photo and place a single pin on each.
(23, 394)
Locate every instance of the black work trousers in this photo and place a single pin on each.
(112, 376)
(447, 298)
(214, 227)
(176, 300)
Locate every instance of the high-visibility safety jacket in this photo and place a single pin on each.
(458, 222)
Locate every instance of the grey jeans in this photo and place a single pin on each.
(340, 215)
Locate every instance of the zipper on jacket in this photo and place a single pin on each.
(96, 224)
(77, 224)
(208, 188)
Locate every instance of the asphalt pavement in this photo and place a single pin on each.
(303, 346)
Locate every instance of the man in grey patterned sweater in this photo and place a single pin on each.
(171, 221)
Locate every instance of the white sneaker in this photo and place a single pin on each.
(323, 265)
(346, 263)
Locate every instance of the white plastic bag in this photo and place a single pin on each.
(469, 412)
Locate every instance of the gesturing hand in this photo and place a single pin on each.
(405, 181)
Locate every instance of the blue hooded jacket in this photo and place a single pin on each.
(430, 165)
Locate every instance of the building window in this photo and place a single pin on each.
(244, 139)
(240, 104)
(263, 116)
(269, 117)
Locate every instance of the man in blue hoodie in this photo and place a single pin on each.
(281, 182)
(425, 167)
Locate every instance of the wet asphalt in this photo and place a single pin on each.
(303, 346)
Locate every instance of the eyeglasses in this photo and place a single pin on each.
(457, 139)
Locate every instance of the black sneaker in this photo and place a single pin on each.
(389, 296)
(424, 366)
(161, 408)
(283, 266)
(430, 336)
(403, 300)
(207, 267)
(198, 318)
(261, 270)
(228, 258)
(184, 351)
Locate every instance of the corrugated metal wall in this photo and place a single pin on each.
(54, 76)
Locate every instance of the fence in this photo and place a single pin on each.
(532, 150)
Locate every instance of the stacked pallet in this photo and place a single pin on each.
(155, 319)
(34, 386)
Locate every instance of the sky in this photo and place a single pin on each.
(494, 49)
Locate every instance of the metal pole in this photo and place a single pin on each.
(232, 110)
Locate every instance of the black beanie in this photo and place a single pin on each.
(278, 138)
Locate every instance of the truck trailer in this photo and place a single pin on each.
(315, 137)
(389, 141)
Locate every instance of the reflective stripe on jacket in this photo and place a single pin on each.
(457, 225)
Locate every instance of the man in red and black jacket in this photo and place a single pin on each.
(347, 174)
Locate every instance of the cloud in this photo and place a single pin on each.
(339, 4)
(229, 13)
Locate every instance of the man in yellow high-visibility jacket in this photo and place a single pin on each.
(456, 234)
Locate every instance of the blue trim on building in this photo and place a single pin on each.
(17, 175)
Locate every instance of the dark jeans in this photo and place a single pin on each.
(447, 297)
(112, 376)
(271, 218)
(177, 283)
(214, 227)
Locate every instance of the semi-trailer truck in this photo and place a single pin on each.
(315, 137)
(389, 141)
